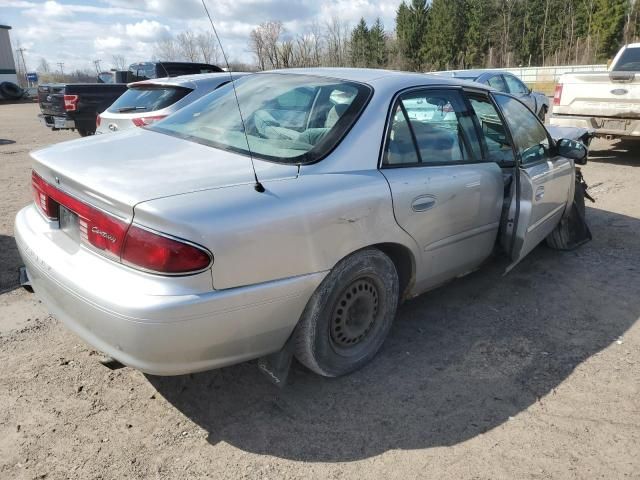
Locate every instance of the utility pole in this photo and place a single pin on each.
(96, 63)
(21, 52)
(61, 65)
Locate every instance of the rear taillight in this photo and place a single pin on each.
(157, 253)
(41, 196)
(71, 103)
(557, 95)
(144, 121)
(98, 120)
(118, 239)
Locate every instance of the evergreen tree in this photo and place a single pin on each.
(411, 26)
(360, 44)
(377, 45)
(443, 46)
(608, 25)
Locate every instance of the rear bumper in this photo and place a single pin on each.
(602, 126)
(145, 321)
(56, 122)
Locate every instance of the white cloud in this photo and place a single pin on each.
(147, 31)
(107, 43)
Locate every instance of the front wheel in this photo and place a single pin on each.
(349, 316)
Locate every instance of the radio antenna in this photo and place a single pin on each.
(258, 186)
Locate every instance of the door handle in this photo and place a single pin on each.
(539, 193)
(423, 203)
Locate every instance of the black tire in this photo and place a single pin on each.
(349, 315)
(85, 133)
(11, 91)
(562, 237)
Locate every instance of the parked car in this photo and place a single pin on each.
(151, 100)
(188, 245)
(606, 102)
(75, 106)
(509, 83)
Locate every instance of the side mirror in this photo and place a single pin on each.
(576, 151)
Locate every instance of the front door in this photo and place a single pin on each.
(544, 181)
(446, 195)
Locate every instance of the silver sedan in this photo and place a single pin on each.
(208, 238)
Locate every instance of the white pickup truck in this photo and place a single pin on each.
(606, 102)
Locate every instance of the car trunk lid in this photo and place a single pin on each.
(116, 172)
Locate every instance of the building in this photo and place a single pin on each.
(7, 64)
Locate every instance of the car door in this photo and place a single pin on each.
(543, 181)
(445, 194)
(520, 91)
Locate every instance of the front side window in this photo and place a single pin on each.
(530, 137)
(515, 86)
(496, 141)
(431, 127)
(288, 118)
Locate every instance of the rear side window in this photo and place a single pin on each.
(147, 99)
(437, 123)
(497, 82)
(629, 61)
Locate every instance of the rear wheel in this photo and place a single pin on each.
(85, 133)
(349, 316)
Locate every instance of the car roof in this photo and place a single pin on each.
(192, 80)
(374, 76)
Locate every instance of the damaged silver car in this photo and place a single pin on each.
(295, 224)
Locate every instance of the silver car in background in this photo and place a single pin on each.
(148, 101)
(506, 82)
(215, 238)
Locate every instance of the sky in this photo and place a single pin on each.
(78, 32)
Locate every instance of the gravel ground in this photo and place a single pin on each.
(531, 375)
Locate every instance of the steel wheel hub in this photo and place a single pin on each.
(355, 313)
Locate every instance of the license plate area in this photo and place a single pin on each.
(69, 223)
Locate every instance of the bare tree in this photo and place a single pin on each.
(119, 62)
(264, 44)
(43, 66)
(337, 35)
(167, 50)
(188, 46)
(208, 47)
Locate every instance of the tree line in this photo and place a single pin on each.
(457, 34)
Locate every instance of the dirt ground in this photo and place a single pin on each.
(532, 375)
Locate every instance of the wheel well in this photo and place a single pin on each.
(403, 259)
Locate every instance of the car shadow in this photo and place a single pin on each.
(4, 141)
(619, 152)
(460, 360)
(10, 263)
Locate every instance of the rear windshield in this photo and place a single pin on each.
(288, 118)
(629, 61)
(147, 99)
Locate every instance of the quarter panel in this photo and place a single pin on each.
(297, 226)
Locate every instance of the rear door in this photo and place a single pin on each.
(446, 194)
(542, 185)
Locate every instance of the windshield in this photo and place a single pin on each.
(147, 99)
(288, 118)
(629, 61)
